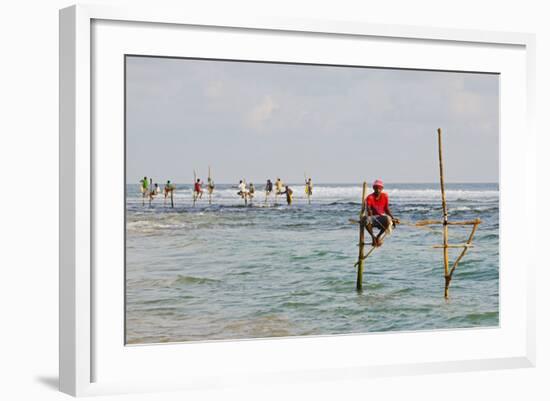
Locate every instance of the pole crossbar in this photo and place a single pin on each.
(422, 223)
(454, 246)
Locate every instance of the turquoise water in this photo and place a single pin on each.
(230, 271)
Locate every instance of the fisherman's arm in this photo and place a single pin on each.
(389, 213)
(369, 211)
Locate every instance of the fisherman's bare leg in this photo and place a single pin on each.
(379, 240)
(368, 226)
(385, 226)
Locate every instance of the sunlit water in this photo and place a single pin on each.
(226, 271)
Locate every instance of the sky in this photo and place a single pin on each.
(337, 124)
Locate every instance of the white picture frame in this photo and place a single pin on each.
(83, 349)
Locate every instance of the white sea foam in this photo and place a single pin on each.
(335, 193)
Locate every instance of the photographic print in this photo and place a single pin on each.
(272, 200)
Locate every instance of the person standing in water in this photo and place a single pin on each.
(379, 214)
(288, 192)
(251, 190)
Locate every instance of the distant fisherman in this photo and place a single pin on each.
(288, 193)
(152, 193)
(242, 189)
(144, 186)
(378, 213)
(210, 186)
(279, 186)
(156, 189)
(309, 187)
(268, 187)
(198, 190)
(168, 188)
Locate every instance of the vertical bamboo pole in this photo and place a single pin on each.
(445, 218)
(361, 240)
(172, 197)
(209, 187)
(307, 189)
(193, 187)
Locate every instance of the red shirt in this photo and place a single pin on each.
(379, 205)
(197, 187)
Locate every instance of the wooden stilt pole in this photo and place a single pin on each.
(307, 189)
(245, 194)
(172, 197)
(466, 246)
(361, 258)
(445, 218)
(194, 193)
(209, 187)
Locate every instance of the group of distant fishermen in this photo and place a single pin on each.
(150, 190)
(247, 192)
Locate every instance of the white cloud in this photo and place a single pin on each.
(261, 113)
(214, 89)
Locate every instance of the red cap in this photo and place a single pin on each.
(378, 183)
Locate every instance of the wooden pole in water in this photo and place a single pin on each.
(209, 187)
(361, 240)
(307, 189)
(172, 197)
(193, 187)
(445, 218)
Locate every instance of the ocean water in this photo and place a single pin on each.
(230, 271)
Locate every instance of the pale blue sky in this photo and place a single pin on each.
(338, 124)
